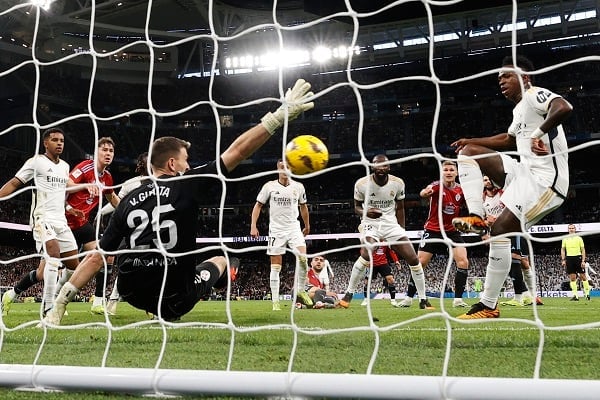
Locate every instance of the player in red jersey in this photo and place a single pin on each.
(383, 257)
(315, 286)
(433, 240)
(82, 202)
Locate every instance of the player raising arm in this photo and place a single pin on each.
(163, 214)
(533, 187)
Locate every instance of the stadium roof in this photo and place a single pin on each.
(244, 24)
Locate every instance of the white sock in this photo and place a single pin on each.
(471, 182)
(519, 297)
(98, 301)
(302, 273)
(67, 293)
(419, 277)
(274, 281)
(358, 274)
(114, 295)
(497, 270)
(50, 282)
(529, 278)
(65, 275)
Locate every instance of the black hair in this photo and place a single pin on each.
(46, 134)
(522, 62)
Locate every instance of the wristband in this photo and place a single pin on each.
(537, 133)
(270, 122)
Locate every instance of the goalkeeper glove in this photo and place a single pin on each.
(294, 102)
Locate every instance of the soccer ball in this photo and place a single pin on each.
(305, 154)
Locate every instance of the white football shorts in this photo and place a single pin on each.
(279, 241)
(527, 195)
(382, 231)
(45, 231)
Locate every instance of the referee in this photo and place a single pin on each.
(572, 254)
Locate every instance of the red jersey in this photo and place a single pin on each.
(313, 280)
(452, 200)
(383, 255)
(81, 199)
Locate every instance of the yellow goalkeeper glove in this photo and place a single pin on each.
(295, 102)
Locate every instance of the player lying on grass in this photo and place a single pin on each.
(161, 216)
(315, 287)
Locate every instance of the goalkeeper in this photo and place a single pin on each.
(163, 215)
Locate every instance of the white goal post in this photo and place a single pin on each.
(165, 382)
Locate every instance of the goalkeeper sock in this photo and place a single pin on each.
(497, 270)
(114, 295)
(471, 182)
(67, 293)
(416, 271)
(65, 275)
(573, 285)
(274, 281)
(460, 282)
(26, 282)
(99, 291)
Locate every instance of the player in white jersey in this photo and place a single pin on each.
(379, 200)
(53, 238)
(523, 278)
(141, 168)
(286, 199)
(533, 187)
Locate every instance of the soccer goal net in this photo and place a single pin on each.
(401, 78)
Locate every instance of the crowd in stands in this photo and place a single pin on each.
(253, 278)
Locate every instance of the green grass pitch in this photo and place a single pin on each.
(411, 341)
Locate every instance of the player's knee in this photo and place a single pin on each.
(469, 150)
(93, 261)
(302, 259)
(319, 295)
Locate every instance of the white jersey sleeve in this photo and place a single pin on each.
(128, 186)
(528, 115)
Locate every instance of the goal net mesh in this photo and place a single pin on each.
(380, 367)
